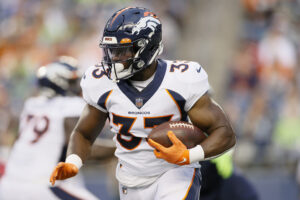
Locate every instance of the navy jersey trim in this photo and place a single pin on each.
(102, 100)
(194, 192)
(139, 98)
(62, 194)
(180, 102)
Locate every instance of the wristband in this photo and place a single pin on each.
(74, 159)
(196, 154)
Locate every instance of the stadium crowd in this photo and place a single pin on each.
(263, 83)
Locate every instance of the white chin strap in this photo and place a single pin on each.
(157, 53)
(119, 72)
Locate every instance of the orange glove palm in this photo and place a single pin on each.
(63, 171)
(176, 154)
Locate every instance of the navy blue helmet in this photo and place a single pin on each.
(61, 77)
(135, 30)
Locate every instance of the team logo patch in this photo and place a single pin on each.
(139, 102)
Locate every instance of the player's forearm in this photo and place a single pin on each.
(80, 146)
(219, 141)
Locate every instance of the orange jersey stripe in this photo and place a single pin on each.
(107, 98)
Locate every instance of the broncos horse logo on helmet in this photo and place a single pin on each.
(132, 29)
(146, 22)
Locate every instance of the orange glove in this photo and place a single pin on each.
(63, 171)
(176, 154)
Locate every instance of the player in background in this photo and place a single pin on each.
(220, 181)
(46, 123)
(137, 91)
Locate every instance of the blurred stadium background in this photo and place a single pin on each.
(250, 49)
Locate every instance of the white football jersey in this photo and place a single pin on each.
(41, 138)
(176, 86)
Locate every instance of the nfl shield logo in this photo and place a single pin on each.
(139, 102)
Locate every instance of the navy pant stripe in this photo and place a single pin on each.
(194, 192)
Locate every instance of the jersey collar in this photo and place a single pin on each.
(139, 98)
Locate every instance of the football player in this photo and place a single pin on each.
(137, 91)
(45, 125)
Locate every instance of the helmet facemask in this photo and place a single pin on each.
(119, 69)
(117, 61)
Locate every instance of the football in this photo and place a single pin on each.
(187, 133)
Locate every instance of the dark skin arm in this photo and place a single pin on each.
(69, 124)
(82, 138)
(86, 131)
(209, 117)
(98, 151)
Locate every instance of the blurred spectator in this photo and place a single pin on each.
(258, 16)
(287, 129)
(259, 5)
(258, 124)
(242, 81)
(277, 63)
(277, 55)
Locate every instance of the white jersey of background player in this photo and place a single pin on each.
(139, 92)
(45, 124)
(174, 89)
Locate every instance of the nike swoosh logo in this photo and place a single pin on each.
(198, 70)
(184, 160)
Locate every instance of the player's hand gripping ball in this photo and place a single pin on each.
(187, 133)
(172, 140)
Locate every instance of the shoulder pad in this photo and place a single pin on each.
(189, 79)
(94, 83)
(93, 75)
(187, 72)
